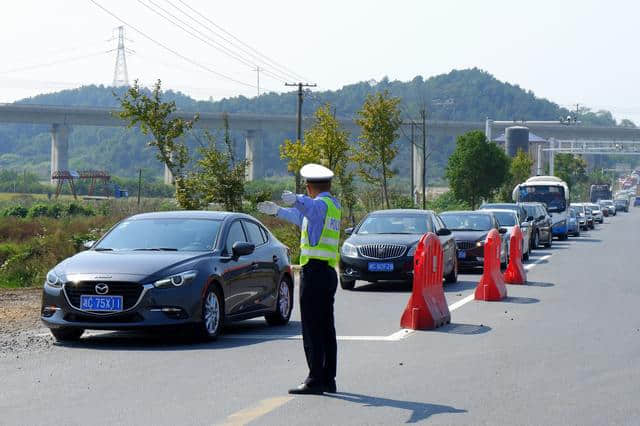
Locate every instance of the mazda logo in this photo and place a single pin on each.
(102, 288)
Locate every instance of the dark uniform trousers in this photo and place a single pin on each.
(317, 293)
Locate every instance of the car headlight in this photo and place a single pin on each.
(412, 250)
(176, 280)
(349, 250)
(480, 243)
(53, 279)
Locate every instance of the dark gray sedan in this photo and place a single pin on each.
(382, 246)
(193, 268)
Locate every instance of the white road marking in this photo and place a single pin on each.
(461, 302)
(531, 265)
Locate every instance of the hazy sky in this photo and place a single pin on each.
(568, 51)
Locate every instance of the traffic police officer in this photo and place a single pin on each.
(318, 216)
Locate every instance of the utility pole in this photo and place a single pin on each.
(423, 114)
(299, 133)
(139, 185)
(413, 183)
(120, 73)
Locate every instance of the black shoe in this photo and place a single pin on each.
(330, 387)
(305, 389)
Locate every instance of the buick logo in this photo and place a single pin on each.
(381, 251)
(102, 288)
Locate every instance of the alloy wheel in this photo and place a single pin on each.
(211, 313)
(284, 298)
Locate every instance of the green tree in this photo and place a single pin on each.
(520, 167)
(220, 176)
(570, 169)
(155, 117)
(326, 143)
(380, 121)
(476, 168)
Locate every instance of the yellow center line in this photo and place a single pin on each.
(250, 414)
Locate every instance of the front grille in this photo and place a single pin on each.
(382, 251)
(121, 318)
(465, 245)
(130, 292)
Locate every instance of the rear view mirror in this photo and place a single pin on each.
(241, 248)
(348, 231)
(502, 230)
(541, 217)
(443, 232)
(529, 218)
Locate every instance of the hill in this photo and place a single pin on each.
(470, 94)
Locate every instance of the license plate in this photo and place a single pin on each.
(480, 259)
(380, 267)
(462, 254)
(101, 303)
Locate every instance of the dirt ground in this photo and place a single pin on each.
(20, 322)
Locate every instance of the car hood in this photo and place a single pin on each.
(469, 235)
(403, 239)
(107, 264)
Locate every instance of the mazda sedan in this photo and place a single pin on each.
(187, 268)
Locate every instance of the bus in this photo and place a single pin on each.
(551, 191)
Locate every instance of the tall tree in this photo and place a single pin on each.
(154, 116)
(380, 121)
(476, 168)
(570, 169)
(520, 167)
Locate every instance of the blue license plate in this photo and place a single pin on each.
(101, 303)
(380, 267)
(462, 254)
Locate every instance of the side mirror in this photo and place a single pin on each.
(530, 218)
(443, 232)
(240, 248)
(348, 231)
(88, 244)
(541, 217)
(502, 230)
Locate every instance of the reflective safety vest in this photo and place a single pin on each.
(327, 247)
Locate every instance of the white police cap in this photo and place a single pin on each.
(315, 173)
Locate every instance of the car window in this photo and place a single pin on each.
(265, 234)
(395, 224)
(439, 222)
(253, 232)
(236, 233)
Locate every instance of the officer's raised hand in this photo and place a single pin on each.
(268, 207)
(288, 198)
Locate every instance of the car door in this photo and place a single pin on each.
(237, 273)
(448, 243)
(264, 275)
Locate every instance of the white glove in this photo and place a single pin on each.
(268, 207)
(288, 198)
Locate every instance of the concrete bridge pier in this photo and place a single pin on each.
(254, 154)
(59, 148)
(168, 176)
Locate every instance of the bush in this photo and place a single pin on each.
(38, 210)
(16, 211)
(447, 202)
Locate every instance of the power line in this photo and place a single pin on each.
(251, 61)
(174, 52)
(57, 62)
(257, 52)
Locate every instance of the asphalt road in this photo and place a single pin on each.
(563, 350)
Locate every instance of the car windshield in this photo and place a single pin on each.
(552, 196)
(395, 224)
(466, 221)
(505, 219)
(162, 235)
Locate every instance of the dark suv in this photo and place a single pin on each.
(541, 224)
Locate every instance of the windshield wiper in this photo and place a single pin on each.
(156, 249)
(103, 249)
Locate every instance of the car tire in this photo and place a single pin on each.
(67, 334)
(536, 240)
(452, 277)
(212, 314)
(525, 256)
(549, 243)
(564, 237)
(347, 284)
(284, 304)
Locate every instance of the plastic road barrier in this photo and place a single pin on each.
(427, 308)
(515, 273)
(491, 286)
